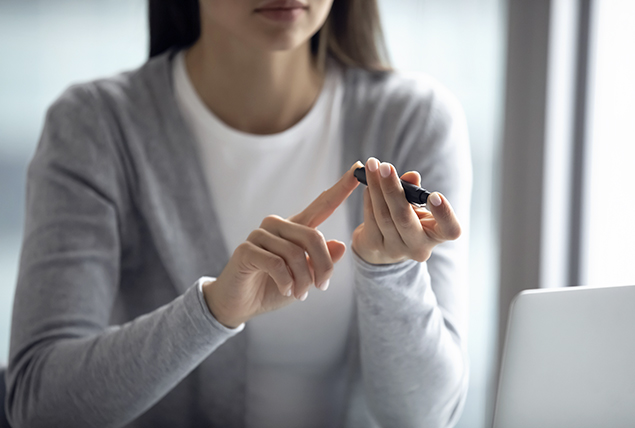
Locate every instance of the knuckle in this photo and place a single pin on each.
(255, 235)
(243, 249)
(277, 264)
(270, 220)
(315, 238)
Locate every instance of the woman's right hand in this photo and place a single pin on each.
(279, 261)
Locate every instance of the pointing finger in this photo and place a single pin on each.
(328, 201)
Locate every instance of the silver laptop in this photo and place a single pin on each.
(569, 359)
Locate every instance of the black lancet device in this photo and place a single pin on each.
(414, 194)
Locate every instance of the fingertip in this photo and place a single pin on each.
(303, 297)
(444, 214)
(335, 242)
(336, 249)
(385, 169)
(350, 174)
(289, 291)
(438, 206)
(457, 232)
(412, 177)
(285, 285)
(372, 164)
(357, 164)
(325, 285)
(435, 199)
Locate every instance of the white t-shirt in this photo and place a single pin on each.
(296, 355)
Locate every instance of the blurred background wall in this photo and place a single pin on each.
(45, 45)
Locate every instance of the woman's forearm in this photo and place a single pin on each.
(413, 364)
(108, 379)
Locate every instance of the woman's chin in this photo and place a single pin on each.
(281, 40)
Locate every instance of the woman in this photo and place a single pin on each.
(210, 160)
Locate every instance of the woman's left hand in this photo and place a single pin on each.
(394, 230)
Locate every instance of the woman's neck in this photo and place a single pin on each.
(255, 91)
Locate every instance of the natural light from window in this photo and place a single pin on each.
(609, 254)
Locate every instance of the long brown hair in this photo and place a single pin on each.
(352, 32)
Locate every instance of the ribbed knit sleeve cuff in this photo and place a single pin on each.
(408, 279)
(207, 314)
(374, 271)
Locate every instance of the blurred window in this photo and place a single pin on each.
(609, 227)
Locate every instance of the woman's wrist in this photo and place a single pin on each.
(211, 299)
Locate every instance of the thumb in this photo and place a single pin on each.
(336, 249)
(412, 177)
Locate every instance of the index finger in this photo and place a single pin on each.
(328, 201)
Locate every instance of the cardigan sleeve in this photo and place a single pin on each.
(67, 366)
(411, 315)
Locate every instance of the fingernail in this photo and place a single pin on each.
(435, 199)
(356, 165)
(384, 169)
(325, 285)
(289, 291)
(304, 296)
(373, 164)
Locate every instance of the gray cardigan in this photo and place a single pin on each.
(108, 329)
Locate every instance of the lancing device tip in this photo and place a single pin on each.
(414, 194)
